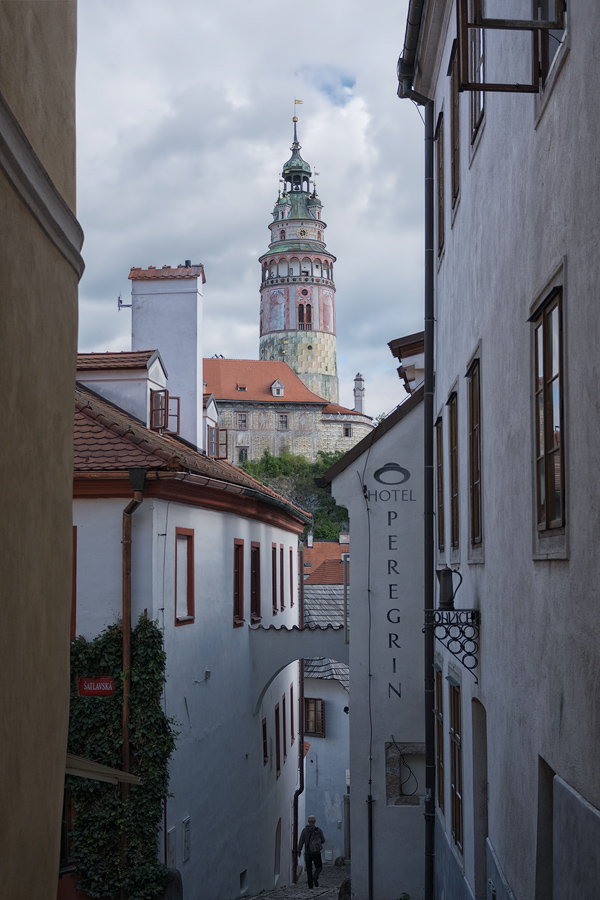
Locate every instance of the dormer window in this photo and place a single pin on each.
(277, 388)
(241, 387)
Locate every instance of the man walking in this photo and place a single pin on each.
(312, 840)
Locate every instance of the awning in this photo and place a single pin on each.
(85, 768)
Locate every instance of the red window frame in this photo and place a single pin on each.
(255, 612)
(281, 578)
(274, 578)
(291, 577)
(292, 729)
(265, 742)
(277, 741)
(186, 534)
(284, 727)
(238, 582)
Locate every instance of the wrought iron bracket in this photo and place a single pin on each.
(458, 631)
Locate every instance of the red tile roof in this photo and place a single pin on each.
(152, 273)
(322, 550)
(135, 359)
(224, 377)
(109, 440)
(333, 408)
(329, 572)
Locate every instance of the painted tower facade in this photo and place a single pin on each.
(297, 293)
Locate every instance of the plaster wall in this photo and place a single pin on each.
(386, 655)
(525, 219)
(231, 800)
(38, 342)
(167, 314)
(326, 764)
(128, 389)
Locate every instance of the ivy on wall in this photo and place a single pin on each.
(95, 733)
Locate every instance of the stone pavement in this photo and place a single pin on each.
(329, 885)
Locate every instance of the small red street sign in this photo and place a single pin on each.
(96, 687)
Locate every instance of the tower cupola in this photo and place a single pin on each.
(297, 318)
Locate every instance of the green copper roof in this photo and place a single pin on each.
(295, 162)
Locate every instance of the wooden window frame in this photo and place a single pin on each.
(439, 738)
(453, 451)
(283, 418)
(314, 714)
(291, 577)
(439, 157)
(475, 484)
(222, 443)
(274, 582)
(284, 726)
(277, 741)
(242, 454)
(213, 441)
(238, 582)
(440, 512)
(453, 72)
(265, 742)
(241, 417)
(189, 617)
(548, 379)
(476, 76)
(456, 771)
(255, 605)
(161, 412)
(281, 578)
(292, 729)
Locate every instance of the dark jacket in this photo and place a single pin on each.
(306, 835)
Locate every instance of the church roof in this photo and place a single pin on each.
(250, 380)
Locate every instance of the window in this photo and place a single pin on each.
(455, 766)
(291, 577)
(282, 423)
(439, 448)
(292, 730)
(265, 743)
(454, 124)
(308, 317)
(439, 738)
(347, 430)
(73, 630)
(281, 579)
(301, 316)
(274, 579)
(453, 428)
(314, 717)
(242, 421)
(255, 614)
(474, 397)
(284, 726)
(164, 412)
(282, 234)
(184, 576)
(550, 491)
(238, 583)
(222, 439)
(476, 76)
(439, 160)
(212, 441)
(242, 454)
(277, 742)
(550, 39)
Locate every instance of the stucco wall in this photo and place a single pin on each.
(37, 347)
(386, 669)
(526, 217)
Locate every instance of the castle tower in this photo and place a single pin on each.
(297, 306)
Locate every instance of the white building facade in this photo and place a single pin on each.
(380, 482)
(515, 273)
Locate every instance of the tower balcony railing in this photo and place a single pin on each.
(286, 279)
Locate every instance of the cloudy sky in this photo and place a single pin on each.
(184, 122)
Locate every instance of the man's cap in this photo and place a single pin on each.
(314, 818)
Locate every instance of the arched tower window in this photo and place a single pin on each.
(308, 317)
(301, 316)
(282, 234)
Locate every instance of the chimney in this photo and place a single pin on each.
(359, 394)
(166, 307)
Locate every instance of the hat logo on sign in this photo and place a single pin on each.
(391, 473)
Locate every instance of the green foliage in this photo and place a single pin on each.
(95, 732)
(294, 477)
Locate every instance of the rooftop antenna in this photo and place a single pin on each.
(121, 305)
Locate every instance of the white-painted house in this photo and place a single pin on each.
(213, 553)
(380, 482)
(515, 270)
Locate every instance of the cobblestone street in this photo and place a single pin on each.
(329, 885)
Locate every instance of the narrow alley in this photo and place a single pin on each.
(332, 877)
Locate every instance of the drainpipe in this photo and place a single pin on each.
(345, 563)
(406, 74)
(137, 478)
(300, 719)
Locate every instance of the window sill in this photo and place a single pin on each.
(475, 556)
(549, 545)
(185, 620)
(255, 620)
(237, 623)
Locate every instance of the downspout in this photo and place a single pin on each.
(406, 74)
(137, 478)
(300, 788)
